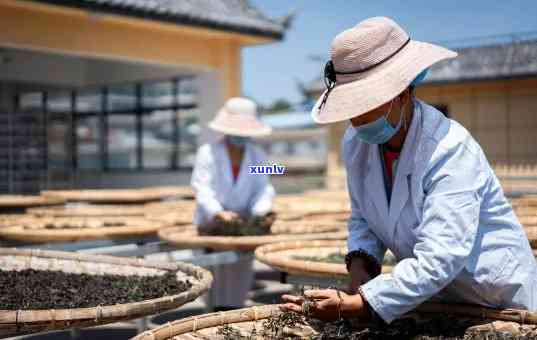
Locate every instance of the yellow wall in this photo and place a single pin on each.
(501, 115)
(29, 25)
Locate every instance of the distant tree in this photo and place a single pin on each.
(279, 105)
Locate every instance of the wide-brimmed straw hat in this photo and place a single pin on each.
(238, 117)
(371, 64)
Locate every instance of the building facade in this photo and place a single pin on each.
(115, 93)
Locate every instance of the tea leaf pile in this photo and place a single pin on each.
(256, 226)
(38, 289)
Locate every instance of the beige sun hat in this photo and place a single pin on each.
(238, 117)
(371, 64)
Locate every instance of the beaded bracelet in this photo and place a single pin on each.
(372, 267)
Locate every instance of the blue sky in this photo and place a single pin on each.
(273, 71)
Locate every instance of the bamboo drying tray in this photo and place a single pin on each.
(171, 212)
(167, 206)
(283, 257)
(25, 201)
(525, 201)
(531, 233)
(341, 216)
(87, 210)
(519, 186)
(203, 327)
(24, 231)
(108, 196)
(181, 192)
(13, 322)
(525, 211)
(188, 236)
(311, 205)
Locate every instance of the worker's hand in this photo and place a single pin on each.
(327, 305)
(226, 216)
(267, 220)
(358, 275)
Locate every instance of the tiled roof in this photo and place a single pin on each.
(487, 62)
(229, 15)
(495, 61)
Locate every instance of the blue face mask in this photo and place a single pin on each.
(379, 131)
(237, 140)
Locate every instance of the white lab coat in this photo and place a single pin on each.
(449, 223)
(216, 190)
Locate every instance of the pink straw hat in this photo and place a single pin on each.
(238, 117)
(371, 64)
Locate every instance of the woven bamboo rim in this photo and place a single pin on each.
(188, 237)
(110, 196)
(528, 221)
(524, 211)
(526, 201)
(89, 211)
(312, 206)
(171, 212)
(23, 201)
(183, 192)
(204, 326)
(176, 205)
(341, 215)
(516, 185)
(135, 228)
(14, 322)
(531, 233)
(280, 256)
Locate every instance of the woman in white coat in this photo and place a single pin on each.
(225, 190)
(419, 185)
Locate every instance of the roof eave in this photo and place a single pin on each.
(478, 79)
(175, 19)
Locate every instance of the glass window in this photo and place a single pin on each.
(122, 141)
(190, 129)
(159, 139)
(188, 92)
(88, 137)
(31, 101)
(158, 94)
(59, 102)
(121, 98)
(89, 100)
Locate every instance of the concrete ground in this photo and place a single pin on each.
(267, 289)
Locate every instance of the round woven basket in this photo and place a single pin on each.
(525, 211)
(291, 257)
(14, 322)
(108, 196)
(341, 216)
(25, 201)
(188, 236)
(71, 230)
(312, 206)
(244, 321)
(181, 192)
(86, 210)
(531, 233)
(528, 187)
(171, 212)
(525, 201)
